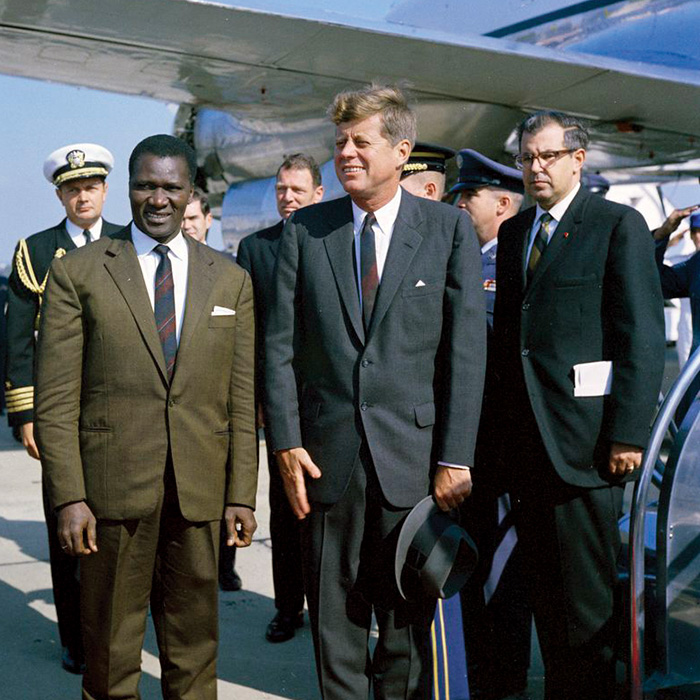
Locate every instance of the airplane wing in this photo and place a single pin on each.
(254, 78)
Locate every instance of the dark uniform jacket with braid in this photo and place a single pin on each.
(30, 267)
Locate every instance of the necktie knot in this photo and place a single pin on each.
(162, 250)
(367, 224)
(88, 235)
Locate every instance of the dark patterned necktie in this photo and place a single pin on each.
(164, 307)
(88, 236)
(368, 269)
(540, 243)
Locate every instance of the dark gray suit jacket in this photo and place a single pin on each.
(412, 386)
(257, 254)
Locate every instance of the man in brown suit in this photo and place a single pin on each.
(137, 434)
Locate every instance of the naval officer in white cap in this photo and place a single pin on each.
(78, 172)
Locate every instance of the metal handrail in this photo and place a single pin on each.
(638, 512)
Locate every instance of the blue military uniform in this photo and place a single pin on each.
(488, 274)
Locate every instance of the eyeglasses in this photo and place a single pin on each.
(546, 158)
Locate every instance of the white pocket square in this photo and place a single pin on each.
(222, 311)
(420, 283)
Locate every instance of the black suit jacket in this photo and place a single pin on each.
(595, 295)
(412, 386)
(23, 305)
(257, 255)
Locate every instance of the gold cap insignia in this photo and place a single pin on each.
(76, 159)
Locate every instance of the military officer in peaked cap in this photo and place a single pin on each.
(497, 617)
(424, 171)
(78, 172)
(490, 193)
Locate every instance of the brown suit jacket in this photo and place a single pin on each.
(105, 414)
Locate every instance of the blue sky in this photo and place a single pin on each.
(39, 117)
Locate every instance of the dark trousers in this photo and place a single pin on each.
(348, 573)
(287, 575)
(167, 562)
(65, 579)
(571, 543)
(497, 617)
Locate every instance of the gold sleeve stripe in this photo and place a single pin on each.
(19, 392)
(20, 397)
(21, 406)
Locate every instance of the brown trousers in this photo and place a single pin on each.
(167, 562)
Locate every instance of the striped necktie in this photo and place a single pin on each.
(164, 307)
(540, 243)
(368, 269)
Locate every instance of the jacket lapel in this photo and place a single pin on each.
(566, 228)
(340, 249)
(200, 282)
(405, 241)
(123, 266)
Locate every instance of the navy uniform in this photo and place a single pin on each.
(497, 616)
(27, 282)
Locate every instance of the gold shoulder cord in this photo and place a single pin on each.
(26, 274)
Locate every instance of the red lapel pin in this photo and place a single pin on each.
(566, 234)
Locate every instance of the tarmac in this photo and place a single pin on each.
(249, 668)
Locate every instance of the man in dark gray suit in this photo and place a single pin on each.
(298, 184)
(374, 362)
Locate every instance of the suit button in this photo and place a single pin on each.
(364, 406)
(525, 352)
(171, 403)
(526, 306)
(366, 363)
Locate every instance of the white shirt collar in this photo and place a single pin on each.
(559, 209)
(75, 230)
(144, 244)
(385, 216)
(488, 245)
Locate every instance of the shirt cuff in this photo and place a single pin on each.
(454, 466)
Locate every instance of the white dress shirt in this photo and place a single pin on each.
(488, 245)
(556, 212)
(149, 259)
(78, 235)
